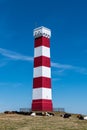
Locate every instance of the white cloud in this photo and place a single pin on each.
(63, 67)
(59, 72)
(81, 70)
(8, 84)
(14, 55)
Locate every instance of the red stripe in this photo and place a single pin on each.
(42, 82)
(42, 61)
(42, 105)
(42, 41)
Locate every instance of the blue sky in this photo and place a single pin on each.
(68, 23)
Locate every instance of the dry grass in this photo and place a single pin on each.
(21, 122)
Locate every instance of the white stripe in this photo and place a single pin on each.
(42, 93)
(42, 51)
(42, 71)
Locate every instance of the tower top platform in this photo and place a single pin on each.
(42, 31)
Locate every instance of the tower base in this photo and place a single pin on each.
(42, 105)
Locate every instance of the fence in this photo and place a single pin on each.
(54, 109)
(59, 109)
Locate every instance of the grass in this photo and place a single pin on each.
(22, 122)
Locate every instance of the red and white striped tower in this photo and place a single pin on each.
(42, 94)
